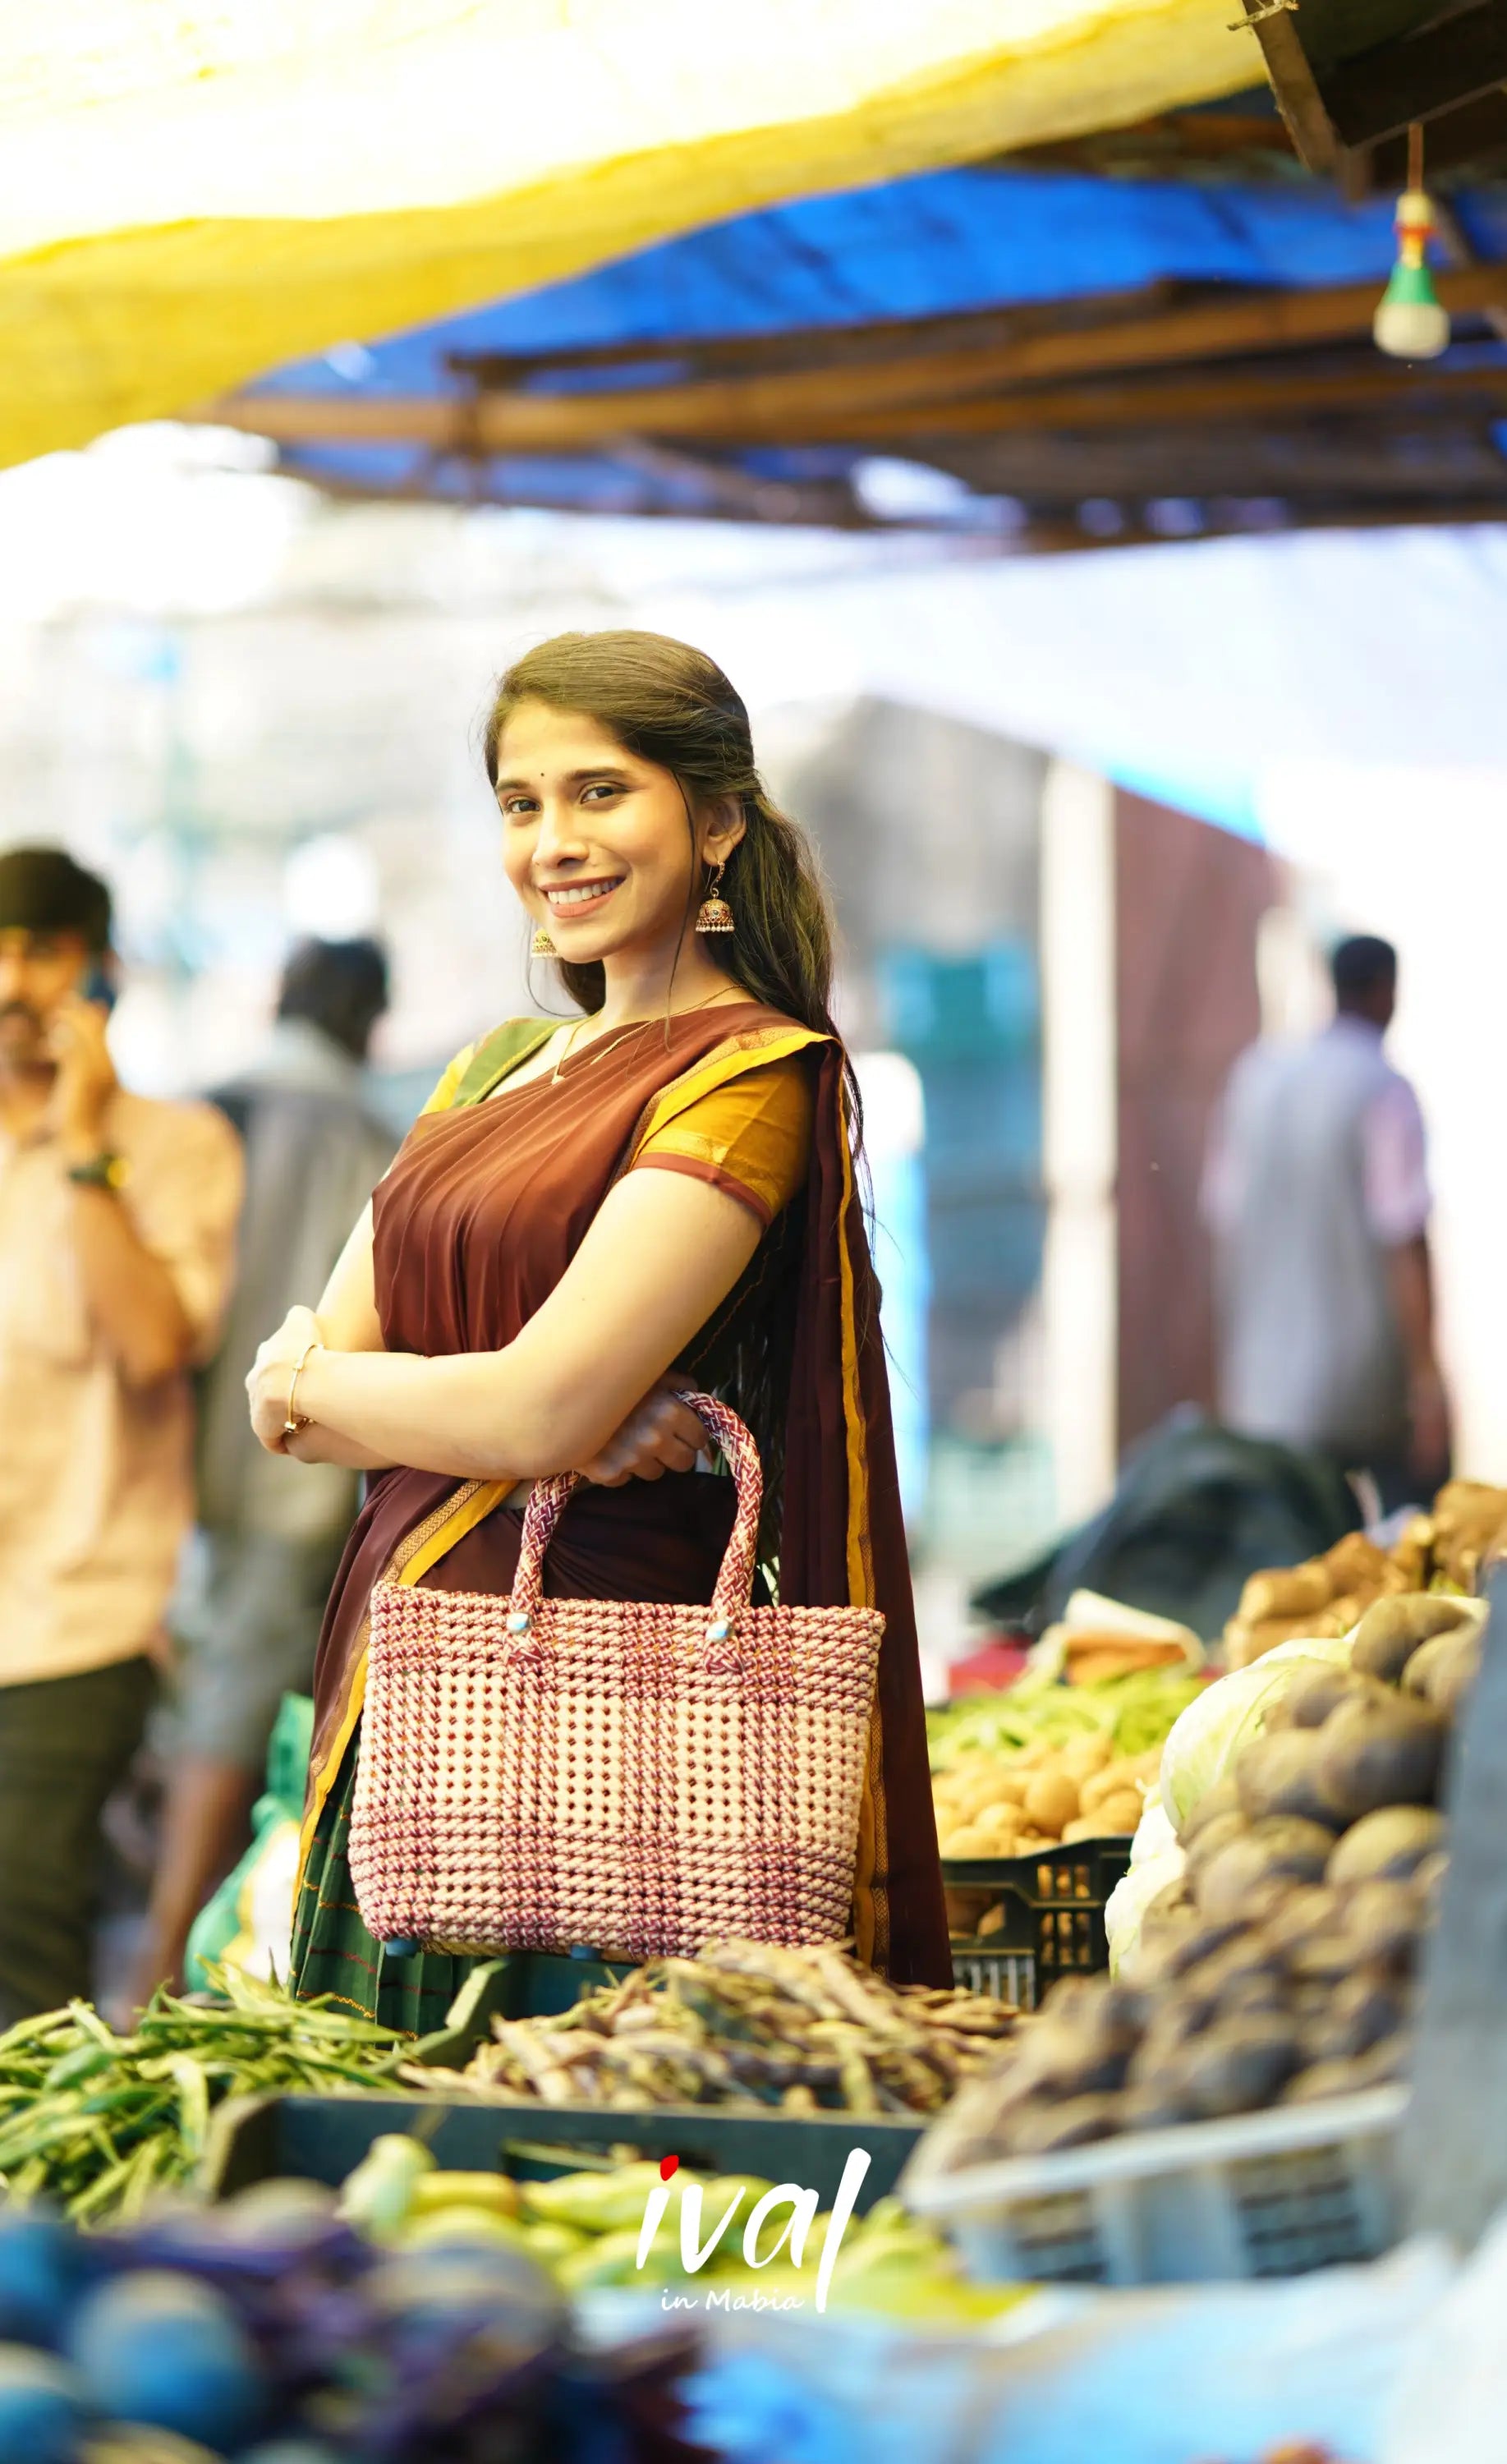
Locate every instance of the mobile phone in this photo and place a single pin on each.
(99, 986)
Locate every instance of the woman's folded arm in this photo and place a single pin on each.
(662, 1250)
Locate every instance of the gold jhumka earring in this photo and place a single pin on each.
(715, 915)
(541, 946)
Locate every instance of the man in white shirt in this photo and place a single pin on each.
(1318, 1194)
(116, 1233)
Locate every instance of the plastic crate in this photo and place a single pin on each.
(1053, 1906)
(323, 2138)
(1273, 2193)
(1003, 1975)
(519, 1985)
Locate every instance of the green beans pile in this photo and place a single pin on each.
(1133, 1712)
(98, 2122)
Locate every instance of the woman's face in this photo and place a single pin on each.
(595, 840)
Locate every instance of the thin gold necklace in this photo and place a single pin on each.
(610, 1042)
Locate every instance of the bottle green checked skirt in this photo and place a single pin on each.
(333, 1954)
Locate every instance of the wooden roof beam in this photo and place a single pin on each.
(543, 424)
(1209, 134)
(1447, 453)
(1315, 138)
(1042, 533)
(729, 490)
(1226, 324)
(1190, 400)
(821, 405)
(1045, 536)
(877, 339)
(1379, 93)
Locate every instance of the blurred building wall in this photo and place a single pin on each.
(1079, 1296)
(1189, 909)
(928, 832)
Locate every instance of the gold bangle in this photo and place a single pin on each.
(297, 1420)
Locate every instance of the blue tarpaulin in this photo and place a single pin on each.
(946, 242)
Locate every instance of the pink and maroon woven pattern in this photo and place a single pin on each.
(640, 1778)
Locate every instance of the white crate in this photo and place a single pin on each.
(1273, 2193)
(1001, 1975)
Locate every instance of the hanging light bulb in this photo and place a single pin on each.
(1411, 321)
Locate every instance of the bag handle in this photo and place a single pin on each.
(735, 1583)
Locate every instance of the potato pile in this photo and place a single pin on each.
(1463, 1530)
(1281, 1967)
(1467, 1529)
(1324, 1597)
(1045, 1797)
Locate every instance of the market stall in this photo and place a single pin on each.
(228, 207)
(331, 2218)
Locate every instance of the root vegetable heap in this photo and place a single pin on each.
(1464, 1530)
(746, 2024)
(1049, 1796)
(1281, 1967)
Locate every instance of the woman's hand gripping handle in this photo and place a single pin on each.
(660, 1435)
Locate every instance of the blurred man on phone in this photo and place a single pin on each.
(116, 1237)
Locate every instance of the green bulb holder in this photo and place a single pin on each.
(1410, 324)
(1411, 286)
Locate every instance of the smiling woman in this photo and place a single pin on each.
(584, 1220)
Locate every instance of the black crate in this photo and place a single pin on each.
(1053, 1925)
(323, 2138)
(519, 1985)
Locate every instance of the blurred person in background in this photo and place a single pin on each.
(1317, 1192)
(270, 1537)
(117, 1231)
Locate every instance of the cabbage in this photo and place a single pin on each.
(1206, 1739)
(1125, 1910)
(1154, 1832)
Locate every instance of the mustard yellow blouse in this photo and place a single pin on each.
(751, 1137)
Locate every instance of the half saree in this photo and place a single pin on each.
(475, 1224)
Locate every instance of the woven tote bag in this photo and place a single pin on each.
(632, 1777)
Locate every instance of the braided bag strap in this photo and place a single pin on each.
(734, 1584)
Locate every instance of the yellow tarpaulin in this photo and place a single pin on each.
(190, 194)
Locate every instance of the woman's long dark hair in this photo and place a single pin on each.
(671, 705)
